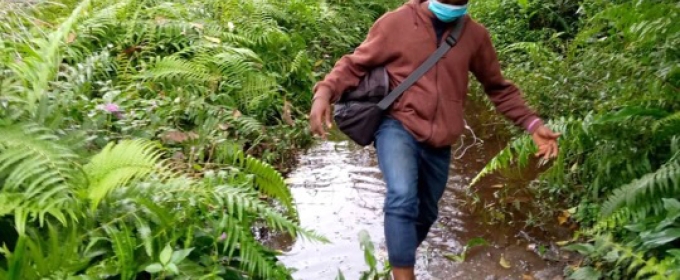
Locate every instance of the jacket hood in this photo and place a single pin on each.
(421, 14)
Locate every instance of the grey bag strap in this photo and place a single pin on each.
(451, 41)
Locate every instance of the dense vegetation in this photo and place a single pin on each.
(607, 75)
(145, 138)
(138, 136)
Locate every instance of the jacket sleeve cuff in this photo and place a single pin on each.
(326, 93)
(532, 124)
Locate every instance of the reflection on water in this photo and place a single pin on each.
(339, 191)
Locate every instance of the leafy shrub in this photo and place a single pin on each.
(129, 130)
(608, 79)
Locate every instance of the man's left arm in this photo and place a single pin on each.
(507, 97)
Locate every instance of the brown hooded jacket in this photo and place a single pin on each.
(433, 108)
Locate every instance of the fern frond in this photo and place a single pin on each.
(78, 78)
(53, 251)
(636, 263)
(246, 125)
(232, 63)
(38, 70)
(617, 219)
(298, 62)
(119, 163)
(38, 174)
(256, 90)
(669, 123)
(520, 150)
(178, 70)
(252, 256)
(94, 31)
(645, 193)
(238, 201)
(538, 51)
(123, 244)
(267, 179)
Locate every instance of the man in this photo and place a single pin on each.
(414, 141)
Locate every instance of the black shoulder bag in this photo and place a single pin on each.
(359, 112)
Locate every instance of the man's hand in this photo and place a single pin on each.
(546, 141)
(321, 111)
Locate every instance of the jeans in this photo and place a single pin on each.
(416, 176)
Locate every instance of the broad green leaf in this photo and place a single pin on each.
(367, 245)
(672, 205)
(523, 3)
(178, 256)
(145, 233)
(455, 258)
(340, 276)
(585, 273)
(154, 268)
(661, 238)
(477, 241)
(674, 252)
(17, 261)
(166, 254)
(173, 267)
(583, 248)
(612, 256)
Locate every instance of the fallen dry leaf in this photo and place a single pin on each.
(132, 49)
(236, 114)
(178, 136)
(527, 277)
(562, 243)
(160, 20)
(286, 113)
(197, 25)
(213, 39)
(563, 217)
(504, 263)
(71, 37)
(42, 23)
(497, 186)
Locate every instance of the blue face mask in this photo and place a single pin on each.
(446, 12)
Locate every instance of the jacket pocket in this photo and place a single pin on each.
(420, 104)
(454, 116)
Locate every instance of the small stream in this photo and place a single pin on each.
(338, 190)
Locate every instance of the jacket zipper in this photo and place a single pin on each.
(438, 43)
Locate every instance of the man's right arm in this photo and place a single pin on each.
(350, 69)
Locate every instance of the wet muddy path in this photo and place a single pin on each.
(339, 192)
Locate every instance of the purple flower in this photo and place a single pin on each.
(223, 236)
(113, 109)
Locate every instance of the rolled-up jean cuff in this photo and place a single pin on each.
(401, 242)
(402, 264)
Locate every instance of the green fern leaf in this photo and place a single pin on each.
(39, 69)
(267, 179)
(646, 192)
(177, 70)
(519, 150)
(117, 164)
(252, 255)
(39, 173)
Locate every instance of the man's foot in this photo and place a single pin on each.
(403, 273)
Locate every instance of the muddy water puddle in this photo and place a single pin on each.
(339, 192)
